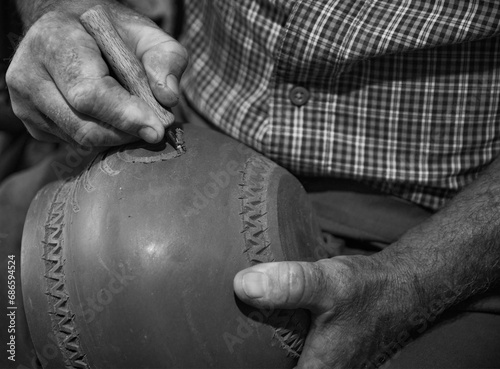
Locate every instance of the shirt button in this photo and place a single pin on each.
(299, 95)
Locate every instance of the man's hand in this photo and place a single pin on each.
(61, 87)
(364, 308)
(356, 303)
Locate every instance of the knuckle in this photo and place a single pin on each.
(169, 51)
(43, 38)
(86, 136)
(126, 119)
(20, 112)
(314, 284)
(319, 278)
(14, 78)
(51, 45)
(54, 41)
(306, 284)
(183, 53)
(36, 134)
(292, 282)
(11, 76)
(37, 130)
(82, 96)
(181, 58)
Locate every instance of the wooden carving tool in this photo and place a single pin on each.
(127, 68)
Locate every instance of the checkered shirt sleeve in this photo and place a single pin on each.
(402, 94)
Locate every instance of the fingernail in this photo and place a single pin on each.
(255, 285)
(173, 84)
(148, 134)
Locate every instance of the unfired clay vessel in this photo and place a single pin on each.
(131, 264)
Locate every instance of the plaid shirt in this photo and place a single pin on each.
(401, 94)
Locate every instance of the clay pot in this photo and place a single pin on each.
(130, 265)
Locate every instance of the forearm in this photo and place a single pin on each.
(31, 10)
(456, 253)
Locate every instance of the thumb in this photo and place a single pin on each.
(285, 285)
(164, 60)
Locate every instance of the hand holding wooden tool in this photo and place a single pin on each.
(127, 68)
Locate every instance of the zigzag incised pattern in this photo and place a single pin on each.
(63, 323)
(253, 196)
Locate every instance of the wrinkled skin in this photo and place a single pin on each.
(349, 298)
(61, 87)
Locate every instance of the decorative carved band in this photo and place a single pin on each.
(253, 196)
(63, 322)
(289, 330)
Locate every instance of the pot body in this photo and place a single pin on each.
(130, 264)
